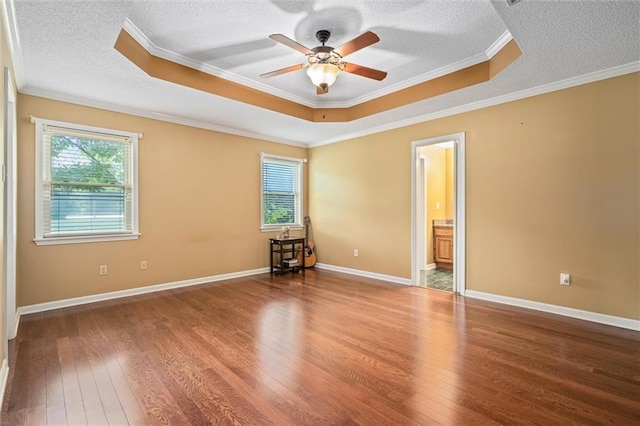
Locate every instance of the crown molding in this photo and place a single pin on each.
(522, 94)
(497, 45)
(405, 84)
(49, 94)
(169, 55)
(13, 38)
(547, 88)
(431, 75)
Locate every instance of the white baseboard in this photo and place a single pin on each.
(15, 332)
(4, 376)
(375, 275)
(430, 267)
(559, 310)
(12, 334)
(545, 307)
(65, 303)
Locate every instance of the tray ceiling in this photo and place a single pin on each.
(66, 51)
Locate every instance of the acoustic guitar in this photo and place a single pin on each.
(309, 248)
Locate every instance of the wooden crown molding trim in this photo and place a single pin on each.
(189, 77)
(171, 56)
(617, 71)
(174, 72)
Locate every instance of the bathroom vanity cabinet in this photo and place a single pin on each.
(443, 246)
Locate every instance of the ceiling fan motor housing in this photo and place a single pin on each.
(323, 36)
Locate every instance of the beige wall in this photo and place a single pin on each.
(450, 183)
(199, 209)
(436, 199)
(553, 186)
(355, 203)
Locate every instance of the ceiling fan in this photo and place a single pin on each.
(324, 63)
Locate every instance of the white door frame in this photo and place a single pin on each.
(418, 234)
(10, 208)
(420, 193)
(423, 203)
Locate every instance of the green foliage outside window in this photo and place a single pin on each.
(87, 184)
(279, 209)
(87, 161)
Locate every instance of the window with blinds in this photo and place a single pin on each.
(87, 185)
(281, 191)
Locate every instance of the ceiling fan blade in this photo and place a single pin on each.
(360, 42)
(322, 90)
(365, 71)
(280, 38)
(282, 71)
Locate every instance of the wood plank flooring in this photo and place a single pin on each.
(323, 349)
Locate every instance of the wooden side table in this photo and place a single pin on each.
(285, 248)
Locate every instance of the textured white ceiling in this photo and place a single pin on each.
(416, 38)
(67, 53)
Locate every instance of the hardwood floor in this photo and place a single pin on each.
(325, 349)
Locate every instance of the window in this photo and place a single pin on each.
(86, 184)
(281, 192)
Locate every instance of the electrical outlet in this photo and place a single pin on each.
(565, 279)
(143, 265)
(356, 252)
(103, 269)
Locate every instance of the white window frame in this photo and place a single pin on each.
(40, 239)
(299, 214)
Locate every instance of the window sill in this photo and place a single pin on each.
(279, 228)
(85, 239)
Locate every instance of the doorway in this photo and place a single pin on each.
(438, 213)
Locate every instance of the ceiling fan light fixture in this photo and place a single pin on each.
(324, 63)
(323, 75)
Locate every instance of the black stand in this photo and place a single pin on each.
(286, 248)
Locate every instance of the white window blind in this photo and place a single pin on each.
(88, 182)
(281, 191)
